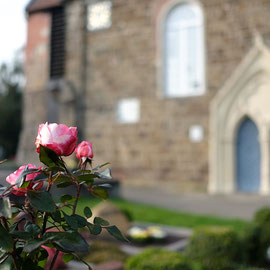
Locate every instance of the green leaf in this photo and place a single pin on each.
(6, 241)
(49, 245)
(41, 201)
(62, 178)
(43, 255)
(94, 228)
(41, 177)
(71, 221)
(27, 264)
(49, 157)
(55, 169)
(53, 236)
(56, 216)
(106, 174)
(33, 229)
(65, 184)
(25, 184)
(114, 231)
(3, 258)
(19, 245)
(67, 258)
(87, 178)
(82, 222)
(33, 244)
(87, 212)
(41, 264)
(5, 208)
(78, 172)
(101, 193)
(21, 235)
(100, 221)
(73, 242)
(66, 198)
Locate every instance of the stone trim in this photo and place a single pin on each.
(245, 93)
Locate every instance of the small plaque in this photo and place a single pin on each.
(196, 133)
(128, 111)
(99, 16)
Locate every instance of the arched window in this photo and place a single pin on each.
(184, 71)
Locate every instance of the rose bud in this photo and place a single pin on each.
(84, 150)
(59, 138)
(12, 178)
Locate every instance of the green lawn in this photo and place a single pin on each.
(153, 214)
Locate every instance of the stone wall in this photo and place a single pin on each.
(124, 61)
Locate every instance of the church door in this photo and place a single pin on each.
(248, 157)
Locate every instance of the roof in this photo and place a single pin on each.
(37, 5)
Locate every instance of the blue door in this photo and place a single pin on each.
(248, 157)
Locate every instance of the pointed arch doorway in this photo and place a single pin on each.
(248, 157)
(239, 146)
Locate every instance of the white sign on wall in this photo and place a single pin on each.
(196, 133)
(99, 16)
(128, 111)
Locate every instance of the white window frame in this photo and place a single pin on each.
(161, 49)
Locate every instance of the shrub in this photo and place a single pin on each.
(262, 216)
(101, 251)
(250, 268)
(157, 259)
(215, 248)
(256, 239)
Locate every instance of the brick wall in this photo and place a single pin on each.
(35, 95)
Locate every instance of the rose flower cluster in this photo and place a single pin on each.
(62, 140)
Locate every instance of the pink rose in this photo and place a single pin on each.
(12, 178)
(84, 149)
(59, 138)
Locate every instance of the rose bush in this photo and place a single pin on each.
(34, 232)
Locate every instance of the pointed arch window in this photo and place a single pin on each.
(184, 67)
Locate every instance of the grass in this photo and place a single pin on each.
(157, 215)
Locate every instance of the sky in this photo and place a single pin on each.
(12, 28)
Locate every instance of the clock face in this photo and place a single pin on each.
(99, 16)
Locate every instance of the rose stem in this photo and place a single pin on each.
(54, 259)
(83, 166)
(77, 198)
(45, 215)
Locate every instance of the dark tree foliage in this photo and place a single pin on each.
(11, 78)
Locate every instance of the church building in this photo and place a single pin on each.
(175, 94)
